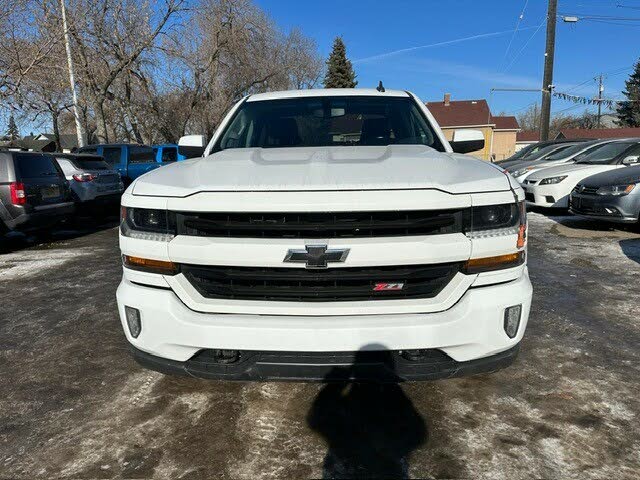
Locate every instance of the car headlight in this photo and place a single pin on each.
(616, 190)
(552, 180)
(494, 220)
(522, 171)
(148, 224)
(498, 220)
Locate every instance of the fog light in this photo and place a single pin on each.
(512, 320)
(133, 321)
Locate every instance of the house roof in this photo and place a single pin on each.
(461, 113)
(506, 123)
(598, 133)
(528, 136)
(45, 142)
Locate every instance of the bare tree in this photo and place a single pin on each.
(147, 72)
(109, 37)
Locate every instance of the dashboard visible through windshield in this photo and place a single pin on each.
(328, 122)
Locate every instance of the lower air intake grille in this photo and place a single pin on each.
(330, 285)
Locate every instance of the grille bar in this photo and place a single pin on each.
(338, 284)
(585, 190)
(321, 224)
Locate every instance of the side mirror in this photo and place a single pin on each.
(630, 160)
(192, 146)
(465, 141)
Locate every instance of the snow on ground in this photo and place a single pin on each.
(25, 263)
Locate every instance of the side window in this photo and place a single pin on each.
(140, 154)
(37, 166)
(111, 155)
(92, 150)
(66, 166)
(169, 155)
(236, 132)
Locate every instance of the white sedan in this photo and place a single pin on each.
(570, 154)
(551, 187)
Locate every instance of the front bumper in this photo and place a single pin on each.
(619, 209)
(549, 196)
(385, 366)
(469, 330)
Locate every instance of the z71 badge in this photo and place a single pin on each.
(387, 287)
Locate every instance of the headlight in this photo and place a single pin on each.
(148, 224)
(494, 220)
(616, 190)
(552, 180)
(499, 220)
(522, 171)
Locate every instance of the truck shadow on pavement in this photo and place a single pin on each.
(370, 428)
(631, 248)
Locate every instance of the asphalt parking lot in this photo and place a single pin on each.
(74, 404)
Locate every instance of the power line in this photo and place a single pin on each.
(524, 46)
(598, 17)
(615, 71)
(515, 31)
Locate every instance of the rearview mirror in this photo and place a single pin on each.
(465, 141)
(192, 146)
(630, 160)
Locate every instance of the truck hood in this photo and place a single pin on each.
(324, 168)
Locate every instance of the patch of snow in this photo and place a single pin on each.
(27, 263)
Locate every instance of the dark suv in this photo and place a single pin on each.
(34, 193)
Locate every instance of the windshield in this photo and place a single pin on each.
(566, 152)
(90, 163)
(542, 152)
(328, 122)
(606, 153)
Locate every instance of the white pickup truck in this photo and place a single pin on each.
(326, 235)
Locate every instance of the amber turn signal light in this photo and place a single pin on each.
(487, 264)
(522, 236)
(150, 266)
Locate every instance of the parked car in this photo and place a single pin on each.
(318, 224)
(613, 196)
(93, 181)
(539, 154)
(551, 187)
(33, 191)
(130, 160)
(532, 149)
(571, 154)
(167, 153)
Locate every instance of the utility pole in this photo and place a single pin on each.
(600, 90)
(72, 80)
(547, 79)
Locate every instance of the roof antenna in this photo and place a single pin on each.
(380, 87)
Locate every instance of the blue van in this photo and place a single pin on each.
(130, 159)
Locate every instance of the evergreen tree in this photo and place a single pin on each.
(340, 72)
(12, 130)
(629, 110)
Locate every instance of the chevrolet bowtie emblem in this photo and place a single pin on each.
(316, 256)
